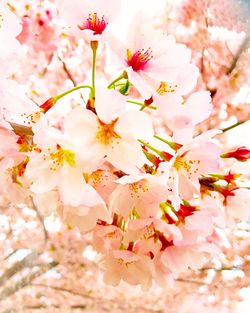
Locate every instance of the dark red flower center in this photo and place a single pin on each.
(94, 23)
(139, 59)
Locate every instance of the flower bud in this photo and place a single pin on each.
(241, 154)
(47, 105)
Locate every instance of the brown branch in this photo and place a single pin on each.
(44, 306)
(39, 216)
(18, 266)
(242, 48)
(233, 126)
(26, 280)
(75, 293)
(195, 282)
(66, 70)
(10, 254)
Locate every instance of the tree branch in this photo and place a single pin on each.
(18, 266)
(233, 126)
(240, 51)
(66, 70)
(26, 280)
(46, 236)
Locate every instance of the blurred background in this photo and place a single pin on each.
(46, 267)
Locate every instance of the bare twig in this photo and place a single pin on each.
(41, 220)
(75, 293)
(66, 70)
(18, 266)
(233, 126)
(242, 48)
(189, 281)
(26, 280)
(10, 254)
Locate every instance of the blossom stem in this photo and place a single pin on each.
(142, 104)
(94, 46)
(143, 107)
(166, 207)
(232, 126)
(123, 75)
(171, 144)
(56, 98)
(150, 147)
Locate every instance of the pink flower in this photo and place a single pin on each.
(8, 142)
(200, 222)
(86, 216)
(238, 204)
(10, 27)
(56, 164)
(200, 156)
(107, 238)
(179, 259)
(104, 183)
(151, 57)
(145, 229)
(179, 114)
(241, 154)
(15, 106)
(89, 17)
(112, 133)
(141, 194)
(128, 266)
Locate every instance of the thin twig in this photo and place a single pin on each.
(46, 236)
(26, 280)
(242, 48)
(233, 126)
(18, 266)
(66, 70)
(75, 293)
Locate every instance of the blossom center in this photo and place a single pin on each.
(189, 166)
(60, 157)
(94, 23)
(138, 188)
(164, 88)
(106, 133)
(139, 59)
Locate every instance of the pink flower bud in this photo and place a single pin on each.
(47, 105)
(241, 154)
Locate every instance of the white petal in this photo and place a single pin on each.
(109, 104)
(81, 126)
(136, 124)
(127, 156)
(140, 83)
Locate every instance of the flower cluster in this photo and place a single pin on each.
(153, 196)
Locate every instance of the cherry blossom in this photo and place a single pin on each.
(89, 17)
(183, 114)
(141, 194)
(153, 61)
(199, 156)
(111, 134)
(54, 159)
(237, 204)
(138, 184)
(10, 27)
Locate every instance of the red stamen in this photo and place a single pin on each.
(139, 59)
(97, 25)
